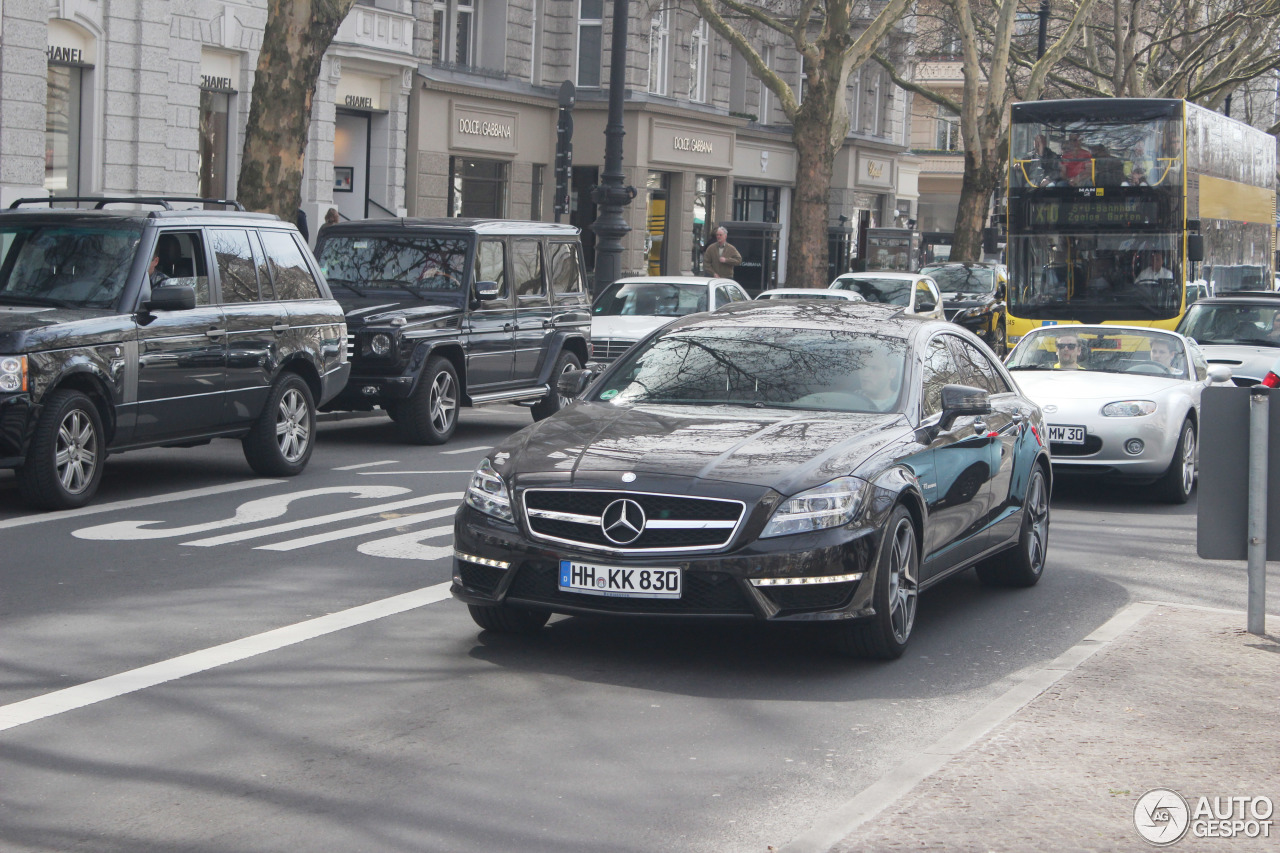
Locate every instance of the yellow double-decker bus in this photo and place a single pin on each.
(1116, 205)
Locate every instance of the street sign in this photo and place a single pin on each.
(1222, 515)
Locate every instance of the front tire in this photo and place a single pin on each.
(505, 619)
(280, 442)
(553, 402)
(64, 463)
(1023, 565)
(430, 415)
(1180, 477)
(999, 343)
(897, 581)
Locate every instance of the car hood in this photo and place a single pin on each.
(375, 311)
(1246, 361)
(627, 328)
(1047, 386)
(965, 300)
(592, 444)
(24, 328)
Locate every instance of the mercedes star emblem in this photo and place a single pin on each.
(628, 477)
(622, 522)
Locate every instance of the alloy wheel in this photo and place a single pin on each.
(76, 457)
(1188, 459)
(293, 430)
(903, 584)
(443, 402)
(564, 401)
(1038, 519)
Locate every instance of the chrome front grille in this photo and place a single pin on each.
(351, 346)
(670, 522)
(605, 350)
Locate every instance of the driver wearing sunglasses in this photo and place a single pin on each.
(1068, 353)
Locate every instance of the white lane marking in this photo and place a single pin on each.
(401, 473)
(466, 450)
(366, 465)
(351, 532)
(133, 503)
(409, 546)
(288, 526)
(71, 698)
(247, 513)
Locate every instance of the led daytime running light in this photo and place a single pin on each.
(483, 561)
(856, 576)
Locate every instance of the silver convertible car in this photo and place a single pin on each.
(1119, 401)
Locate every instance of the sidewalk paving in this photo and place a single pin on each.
(1184, 700)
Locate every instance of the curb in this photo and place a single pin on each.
(882, 793)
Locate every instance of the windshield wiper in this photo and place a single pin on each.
(1030, 367)
(347, 284)
(397, 283)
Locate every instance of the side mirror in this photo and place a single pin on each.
(573, 382)
(1195, 247)
(960, 401)
(1001, 291)
(172, 297)
(1219, 374)
(487, 291)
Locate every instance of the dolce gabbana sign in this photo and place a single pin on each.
(484, 128)
(694, 147)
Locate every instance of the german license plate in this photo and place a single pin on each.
(618, 581)
(1061, 434)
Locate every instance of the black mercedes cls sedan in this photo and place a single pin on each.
(789, 462)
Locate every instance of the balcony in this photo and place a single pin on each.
(377, 30)
(934, 162)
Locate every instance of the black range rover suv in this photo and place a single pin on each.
(445, 313)
(126, 328)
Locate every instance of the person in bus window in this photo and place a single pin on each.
(1077, 162)
(1048, 162)
(1156, 271)
(1138, 159)
(1137, 178)
(1108, 170)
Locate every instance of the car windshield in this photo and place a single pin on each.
(424, 265)
(767, 367)
(889, 291)
(651, 299)
(71, 266)
(1102, 350)
(1244, 324)
(960, 279)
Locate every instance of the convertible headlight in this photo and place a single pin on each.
(380, 344)
(488, 493)
(1128, 409)
(830, 505)
(13, 373)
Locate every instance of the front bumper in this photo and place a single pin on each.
(363, 390)
(1104, 449)
(18, 414)
(714, 586)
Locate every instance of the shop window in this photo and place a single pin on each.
(62, 130)
(215, 142)
(590, 42)
(237, 269)
(755, 203)
(477, 188)
(659, 51)
(536, 191)
(699, 56)
(705, 217)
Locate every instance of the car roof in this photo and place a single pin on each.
(906, 276)
(673, 279)
(516, 227)
(1099, 328)
(1243, 297)
(122, 217)
(833, 315)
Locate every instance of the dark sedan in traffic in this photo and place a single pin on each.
(788, 462)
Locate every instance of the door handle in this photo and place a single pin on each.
(548, 324)
(280, 327)
(510, 327)
(216, 333)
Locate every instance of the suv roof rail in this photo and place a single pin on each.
(102, 201)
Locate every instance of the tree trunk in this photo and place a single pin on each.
(297, 34)
(815, 163)
(981, 169)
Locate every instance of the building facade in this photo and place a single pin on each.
(444, 108)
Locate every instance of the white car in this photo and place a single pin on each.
(810, 293)
(911, 291)
(631, 308)
(1118, 401)
(1239, 330)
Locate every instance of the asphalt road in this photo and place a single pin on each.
(297, 681)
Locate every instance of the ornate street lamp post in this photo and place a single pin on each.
(611, 196)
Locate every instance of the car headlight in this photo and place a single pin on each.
(488, 493)
(380, 344)
(973, 312)
(830, 505)
(13, 373)
(1128, 409)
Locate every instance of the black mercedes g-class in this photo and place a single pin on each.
(444, 313)
(128, 328)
